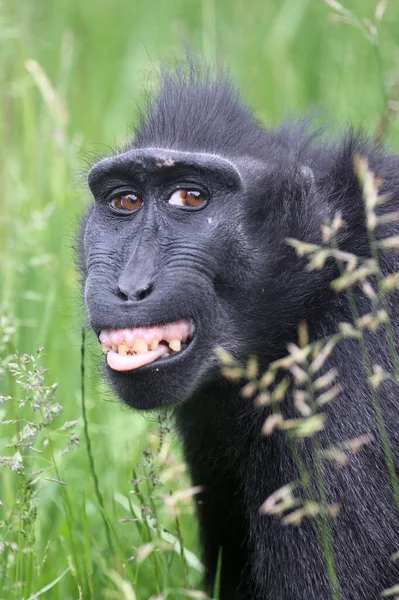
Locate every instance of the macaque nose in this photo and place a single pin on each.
(139, 293)
(136, 282)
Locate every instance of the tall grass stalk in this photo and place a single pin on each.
(88, 443)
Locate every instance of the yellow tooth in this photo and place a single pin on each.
(175, 345)
(105, 348)
(114, 347)
(122, 349)
(154, 345)
(140, 346)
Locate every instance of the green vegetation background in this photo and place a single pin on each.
(71, 74)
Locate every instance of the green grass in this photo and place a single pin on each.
(71, 73)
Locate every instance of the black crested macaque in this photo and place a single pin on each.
(185, 250)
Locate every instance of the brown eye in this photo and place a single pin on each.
(128, 202)
(190, 198)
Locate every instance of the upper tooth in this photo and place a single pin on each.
(140, 346)
(175, 345)
(154, 345)
(122, 349)
(105, 348)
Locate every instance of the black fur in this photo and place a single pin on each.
(228, 267)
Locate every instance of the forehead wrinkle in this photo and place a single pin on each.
(172, 152)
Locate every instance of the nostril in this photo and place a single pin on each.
(121, 294)
(144, 292)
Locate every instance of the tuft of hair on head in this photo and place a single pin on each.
(197, 108)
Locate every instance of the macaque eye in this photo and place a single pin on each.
(127, 202)
(190, 198)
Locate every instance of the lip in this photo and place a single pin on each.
(125, 324)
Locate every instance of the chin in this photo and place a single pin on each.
(167, 381)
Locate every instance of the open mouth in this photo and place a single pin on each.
(129, 349)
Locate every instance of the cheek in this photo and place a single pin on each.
(96, 232)
(106, 238)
